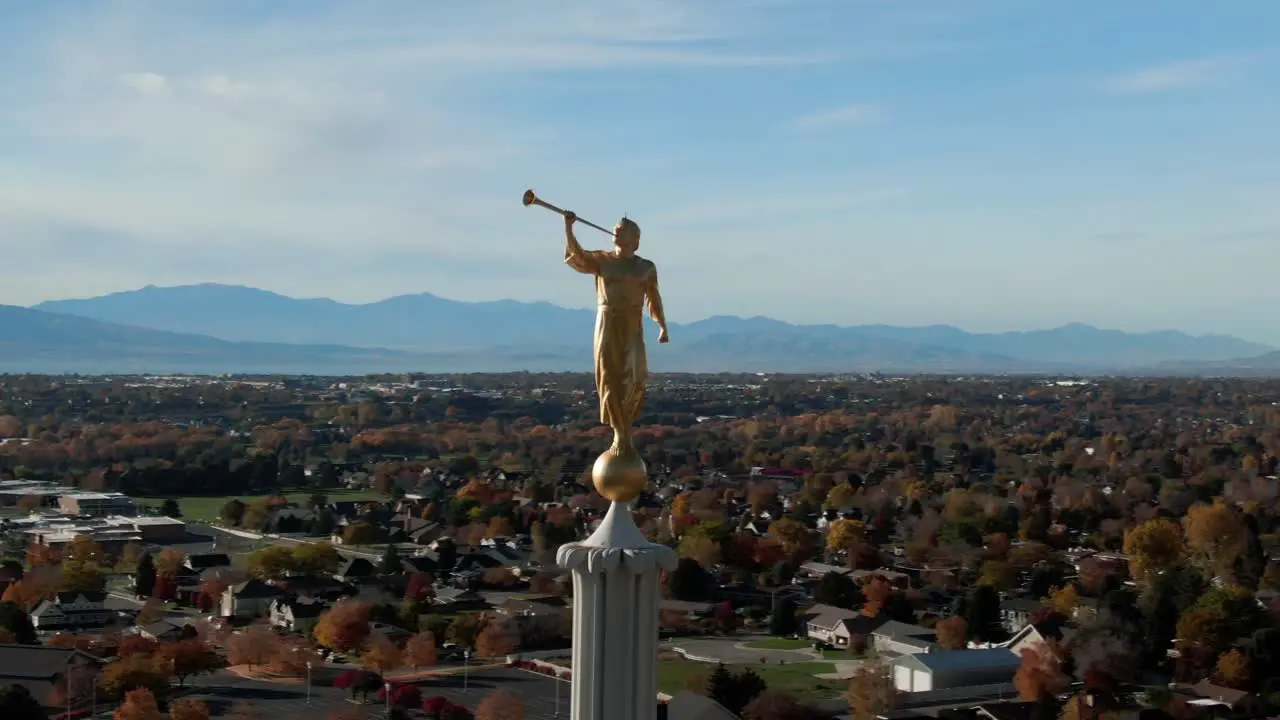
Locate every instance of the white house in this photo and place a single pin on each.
(300, 615)
(249, 599)
(896, 638)
(946, 670)
(822, 627)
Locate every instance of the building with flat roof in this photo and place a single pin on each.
(97, 503)
(11, 491)
(111, 532)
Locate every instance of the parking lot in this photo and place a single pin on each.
(274, 701)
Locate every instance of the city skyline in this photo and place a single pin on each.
(980, 163)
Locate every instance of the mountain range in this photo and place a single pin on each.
(214, 328)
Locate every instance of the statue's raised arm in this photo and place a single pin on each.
(588, 262)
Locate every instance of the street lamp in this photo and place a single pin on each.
(557, 681)
(308, 682)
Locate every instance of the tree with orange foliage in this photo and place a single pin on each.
(30, 590)
(418, 588)
(166, 587)
(498, 638)
(953, 632)
(500, 705)
(187, 658)
(170, 560)
(1233, 669)
(68, 641)
(135, 645)
(871, 691)
(211, 593)
(768, 552)
(479, 490)
(43, 556)
(876, 590)
(1040, 672)
(187, 709)
(382, 655)
(345, 626)
(138, 704)
(421, 651)
(499, 526)
(255, 645)
(292, 656)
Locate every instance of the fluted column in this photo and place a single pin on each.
(615, 619)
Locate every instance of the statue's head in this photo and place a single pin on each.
(626, 236)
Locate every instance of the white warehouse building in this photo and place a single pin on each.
(946, 670)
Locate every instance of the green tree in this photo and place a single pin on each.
(782, 622)
(15, 621)
(272, 563)
(316, 558)
(16, 703)
(391, 561)
(837, 590)
(144, 579)
(232, 512)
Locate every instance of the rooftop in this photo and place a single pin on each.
(988, 659)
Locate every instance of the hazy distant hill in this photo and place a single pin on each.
(36, 341)
(409, 321)
(505, 335)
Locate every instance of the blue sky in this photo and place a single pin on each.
(993, 164)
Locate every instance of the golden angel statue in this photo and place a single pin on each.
(625, 284)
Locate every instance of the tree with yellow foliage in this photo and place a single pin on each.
(701, 549)
(844, 534)
(1064, 599)
(1214, 534)
(840, 496)
(1153, 546)
(793, 535)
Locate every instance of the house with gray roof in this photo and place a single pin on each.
(898, 638)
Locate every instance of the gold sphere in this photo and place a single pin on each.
(619, 477)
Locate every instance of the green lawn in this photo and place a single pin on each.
(795, 678)
(207, 507)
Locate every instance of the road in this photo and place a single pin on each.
(733, 650)
(274, 701)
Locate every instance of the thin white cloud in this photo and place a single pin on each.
(1168, 77)
(849, 115)
(145, 82)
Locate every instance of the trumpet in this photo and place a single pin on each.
(531, 199)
